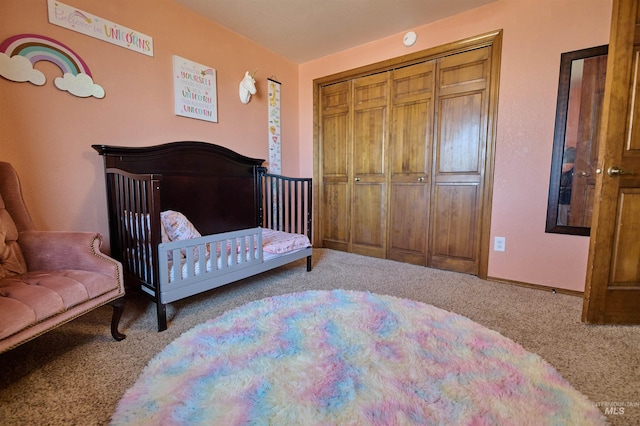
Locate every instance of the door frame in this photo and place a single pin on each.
(492, 39)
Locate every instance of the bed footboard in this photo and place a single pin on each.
(286, 205)
(185, 264)
(192, 266)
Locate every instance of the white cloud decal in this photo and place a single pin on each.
(80, 85)
(18, 68)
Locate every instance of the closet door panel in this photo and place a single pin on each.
(335, 216)
(408, 234)
(368, 236)
(369, 146)
(463, 72)
(334, 150)
(410, 153)
(454, 227)
(368, 174)
(459, 158)
(461, 140)
(335, 153)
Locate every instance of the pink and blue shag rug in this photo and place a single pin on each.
(349, 358)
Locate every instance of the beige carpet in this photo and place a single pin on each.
(77, 373)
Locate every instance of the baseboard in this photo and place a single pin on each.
(537, 286)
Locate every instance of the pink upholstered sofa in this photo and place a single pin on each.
(48, 278)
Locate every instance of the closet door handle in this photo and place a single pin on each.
(421, 179)
(616, 171)
(357, 179)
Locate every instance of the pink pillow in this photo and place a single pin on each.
(178, 226)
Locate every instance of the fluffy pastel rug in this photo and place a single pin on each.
(349, 358)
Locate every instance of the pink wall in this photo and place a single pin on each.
(47, 134)
(535, 34)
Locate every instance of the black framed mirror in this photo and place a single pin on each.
(575, 141)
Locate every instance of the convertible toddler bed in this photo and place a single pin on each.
(187, 217)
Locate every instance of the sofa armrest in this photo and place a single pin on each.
(50, 250)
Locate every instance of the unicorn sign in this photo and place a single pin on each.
(194, 90)
(93, 26)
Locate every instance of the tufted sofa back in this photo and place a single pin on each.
(14, 218)
(12, 195)
(11, 259)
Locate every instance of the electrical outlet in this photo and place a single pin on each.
(499, 244)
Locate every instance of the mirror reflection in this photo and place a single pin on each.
(575, 150)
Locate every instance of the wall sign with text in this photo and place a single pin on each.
(194, 90)
(85, 23)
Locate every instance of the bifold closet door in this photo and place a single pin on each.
(354, 144)
(335, 157)
(410, 162)
(403, 156)
(459, 160)
(368, 160)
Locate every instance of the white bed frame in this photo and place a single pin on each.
(183, 279)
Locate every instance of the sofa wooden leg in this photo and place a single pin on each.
(118, 309)
(162, 316)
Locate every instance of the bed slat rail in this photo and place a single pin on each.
(133, 199)
(206, 257)
(286, 203)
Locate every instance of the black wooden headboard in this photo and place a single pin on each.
(215, 187)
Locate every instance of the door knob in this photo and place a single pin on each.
(421, 179)
(584, 174)
(616, 171)
(357, 179)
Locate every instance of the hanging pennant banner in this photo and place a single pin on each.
(275, 160)
(82, 22)
(275, 152)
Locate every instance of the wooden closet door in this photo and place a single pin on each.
(368, 159)
(335, 157)
(410, 154)
(459, 160)
(403, 156)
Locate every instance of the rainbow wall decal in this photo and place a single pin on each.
(19, 54)
(40, 48)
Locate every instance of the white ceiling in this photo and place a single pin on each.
(302, 30)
